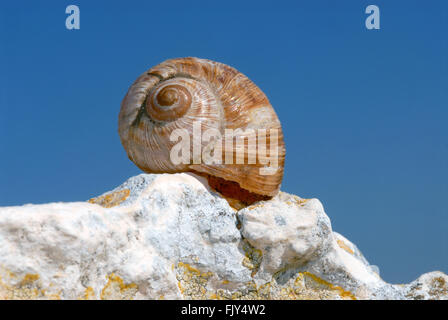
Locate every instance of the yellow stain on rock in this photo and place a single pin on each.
(342, 293)
(191, 281)
(253, 257)
(300, 202)
(342, 245)
(255, 206)
(31, 288)
(29, 278)
(111, 199)
(291, 199)
(194, 284)
(305, 287)
(89, 294)
(28, 288)
(116, 289)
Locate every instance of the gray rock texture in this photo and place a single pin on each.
(169, 236)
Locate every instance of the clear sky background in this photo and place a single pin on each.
(364, 112)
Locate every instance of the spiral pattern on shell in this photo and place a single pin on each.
(178, 92)
(168, 102)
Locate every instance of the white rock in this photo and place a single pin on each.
(170, 236)
(289, 231)
(429, 286)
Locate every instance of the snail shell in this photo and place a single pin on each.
(178, 92)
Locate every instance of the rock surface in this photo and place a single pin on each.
(171, 237)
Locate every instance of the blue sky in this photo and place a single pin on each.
(363, 112)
